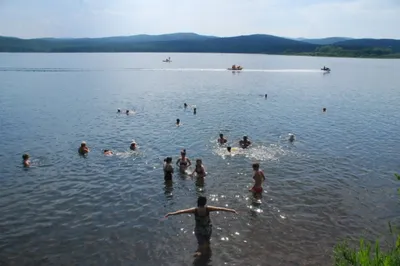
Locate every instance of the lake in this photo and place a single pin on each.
(334, 181)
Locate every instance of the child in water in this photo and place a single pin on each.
(199, 170)
(25, 160)
(168, 169)
(259, 178)
(83, 149)
(203, 228)
(221, 139)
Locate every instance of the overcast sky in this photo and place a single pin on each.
(288, 18)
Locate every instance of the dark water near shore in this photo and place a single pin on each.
(336, 180)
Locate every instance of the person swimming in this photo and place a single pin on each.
(107, 152)
(168, 169)
(127, 112)
(259, 178)
(118, 110)
(183, 162)
(245, 142)
(266, 96)
(324, 109)
(25, 160)
(194, 110)
(199, 170)
(133, 146)
(221, 139)
(185, 105)
(229, 149)
(83, 149)
(178, 122)
(203, 227)
(291, 137)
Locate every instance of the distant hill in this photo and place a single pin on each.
(191, 42)
(324, 41)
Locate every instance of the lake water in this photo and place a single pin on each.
(335, 181)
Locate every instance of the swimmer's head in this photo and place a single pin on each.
(201, 201)
(256, 166)
(178, 121)
(291, 137)
(83, 144)
(229, 149)
(244, 137)
(168, 160)
(199, 161)
(106, 151)
(185, 104)
(221, 135)
(25, 156)
(118, 110)
(183, 153)
(127, 111)
(324, 109)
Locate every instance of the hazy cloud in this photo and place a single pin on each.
(291, 18)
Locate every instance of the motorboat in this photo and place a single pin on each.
(168, 60)
(234, 67)
(327, 69)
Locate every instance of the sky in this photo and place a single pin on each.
(286, 18)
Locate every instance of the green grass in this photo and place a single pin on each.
(367, 254)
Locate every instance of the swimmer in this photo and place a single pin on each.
(324, 109)
(107, 152)
(185, 105)
(203, 227)
(194, 110)
(83, 149)
(118, 110)
(127, 112)
(259, 178)
(168, 169)
(133, 146)
(291, 137)
(199, 169)
(245, 142)
(266, 96)
(229, 149)
(183, 162)
(221, 139)
(178, 122)
(25, 160)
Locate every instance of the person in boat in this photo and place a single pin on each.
(183, 162)
(221, 139)
(245, 142)
(83, 149)
(233, 67)
(203, 227)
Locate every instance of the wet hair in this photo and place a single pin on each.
(324, 109)
(183, 152)
(244, 137)
(229, 148)
(25, 156)
(118, 110)
(201, 201)
(185, 104)
(106, 150)
(178, 121)
(83, 144)
(256, 166)
(168, 160)
(199, 160)
(221, 135)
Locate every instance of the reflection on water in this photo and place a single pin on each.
(334, 180)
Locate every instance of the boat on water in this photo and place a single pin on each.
(234, 67)
(168, 60)
(326, 69)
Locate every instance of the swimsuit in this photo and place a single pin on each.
(200, 171)
(203, 228)
(257, 190)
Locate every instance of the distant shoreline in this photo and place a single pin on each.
(390, 56)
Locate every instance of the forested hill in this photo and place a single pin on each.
(191, 42)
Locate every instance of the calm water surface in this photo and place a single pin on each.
(335, 181)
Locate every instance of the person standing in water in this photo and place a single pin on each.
(203, 227)
(168, 169)
(178, 122)
(199, 170)
(25, 160)
(83, 149)
(221, 139)
(259, 178)
(183, 162)
(133, 146)
(245, 142)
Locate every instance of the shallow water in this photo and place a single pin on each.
(335, 181)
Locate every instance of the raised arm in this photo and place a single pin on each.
(191, 210)
(214, 209)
